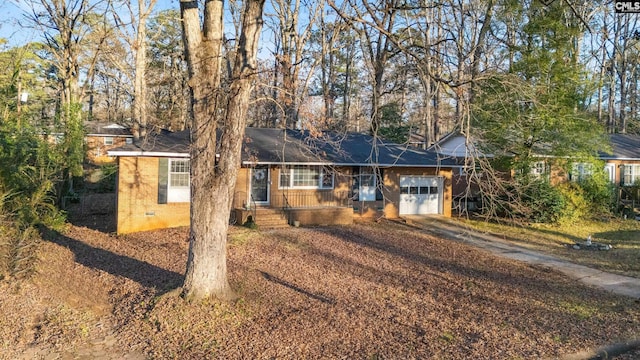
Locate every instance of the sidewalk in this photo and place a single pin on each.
(618, 284)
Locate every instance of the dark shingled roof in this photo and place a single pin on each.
(264, 146)
(624, 147)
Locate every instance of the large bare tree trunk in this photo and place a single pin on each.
(140, 80)
(213, 182)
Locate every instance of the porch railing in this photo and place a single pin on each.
(253, 207)
(290, 200)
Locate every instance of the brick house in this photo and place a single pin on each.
(305, 179)
(621, 164)
(102, 137)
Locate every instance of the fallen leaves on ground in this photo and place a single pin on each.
(365, 291)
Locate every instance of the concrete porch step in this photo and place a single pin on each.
(271, 219)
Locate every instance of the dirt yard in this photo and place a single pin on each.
(367, 291)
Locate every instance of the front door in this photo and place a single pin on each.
(260, 185)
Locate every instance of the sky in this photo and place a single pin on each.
(12, 16)
(14, 25)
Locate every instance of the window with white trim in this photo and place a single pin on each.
(581, 171)
(539, 168)
(179, 173)
(108, 140)
(305, 177)
(365, 184)
(178, 189)
(630, 174)
(610, 170)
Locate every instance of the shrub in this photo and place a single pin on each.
(600, 193)
(107, 183)
(530, 199)
(544, 201)
(28, 179)
(576, 206)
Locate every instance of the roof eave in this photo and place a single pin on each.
(619, 158)
(148, 154)
(344, 164)
(110, 135)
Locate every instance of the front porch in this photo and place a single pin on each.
(298, 209)
(273, 218)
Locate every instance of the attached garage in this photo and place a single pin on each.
(421, 195)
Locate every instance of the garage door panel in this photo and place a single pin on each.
(419, 195)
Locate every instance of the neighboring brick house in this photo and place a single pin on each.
(102, 137)
(622, 165)
(310, 180)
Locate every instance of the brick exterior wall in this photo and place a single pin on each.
(96, 150)
(342, 186)
(138, 208)
(137, 200)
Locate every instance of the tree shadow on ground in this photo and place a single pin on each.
(627, 237)
(103, 222)
(529, 227)
(142, 272)
(478, 271)
(571, 238)
(436, 225)
(297, 289)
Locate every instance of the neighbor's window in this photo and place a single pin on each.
(581, 171)
(108, 140)
(306, 177)
(610, 170)
(630, 174)
(539, 168)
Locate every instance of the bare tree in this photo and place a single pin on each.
(140, 86)
(334, 45)
(291, 36)
(167, 73)
(215, 160)
(134, 31)
(74, 32)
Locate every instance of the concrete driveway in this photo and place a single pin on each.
(443, 227)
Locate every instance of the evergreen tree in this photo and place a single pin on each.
(537, 110)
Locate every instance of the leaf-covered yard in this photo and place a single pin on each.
(378, 290)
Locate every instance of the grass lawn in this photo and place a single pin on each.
(623, 235)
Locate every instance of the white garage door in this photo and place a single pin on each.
(420, 195)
